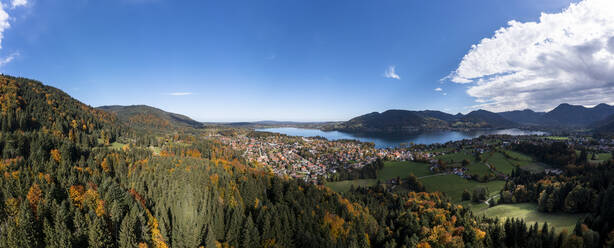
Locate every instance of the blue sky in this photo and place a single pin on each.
(259, 60)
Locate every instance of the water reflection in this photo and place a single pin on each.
(393, 140)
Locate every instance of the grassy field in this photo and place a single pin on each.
(518, 156)
(534, 167)
(601, 157)
(478, 168)
(344, 186)
(604, 156)
(443, 149)
(557, 138)
(474, 167)
(528, 212)
(392, 169)
(456, 157)
(453, 185)
(525, 162)
(501, 163)
(117, 145)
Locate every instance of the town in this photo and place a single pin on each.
(313, 159)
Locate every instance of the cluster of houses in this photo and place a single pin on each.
(303, 158)
(311, 159)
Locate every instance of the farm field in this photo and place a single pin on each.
(604, 156)
(528, 212)
(453, 186)
(525, 162)
(534, 167)
(518, 156)
(501, 163)
(474, 167)
(392, 169)
(600, 157)
(344, 186)
(456, 157)
(478, 168)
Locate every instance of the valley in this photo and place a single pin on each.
(139, 176)
(111, 162)
(306, 124)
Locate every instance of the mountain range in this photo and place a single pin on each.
(600, 117)
(565, 116)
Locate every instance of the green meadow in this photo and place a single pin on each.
(453, 186)
(392, 169)
(529, 213)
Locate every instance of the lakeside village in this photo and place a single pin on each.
(314, 159)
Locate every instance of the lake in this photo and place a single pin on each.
(393, 140)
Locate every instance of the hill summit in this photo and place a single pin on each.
(150, 117)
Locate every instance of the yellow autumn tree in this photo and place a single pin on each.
(34, 197)
(105, 165)
(76, 195)
(423, 245)
(55, 154)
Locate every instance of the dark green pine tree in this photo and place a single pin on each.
(22, 230)
(80, 233)
(578, 229)
(128, 232)
(545, 236)
(250, 236)
(233, 227)
(98, 234)
(116, 218)
(58, 234)
(210, 240)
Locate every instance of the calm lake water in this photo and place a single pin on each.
(392, 140)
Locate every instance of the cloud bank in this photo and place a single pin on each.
(390, 73)
(564, 57)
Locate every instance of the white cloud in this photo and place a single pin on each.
(4, 22)
(8, 59)
(438, 89)
(564, 57)
(445, 94)
(390, 73)
(180, 93)
(17, 3)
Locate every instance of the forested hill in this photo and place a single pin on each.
(605, 126)
(392, 121)
(28, 105)
(579, 116)
(483, 118)
(150, 117)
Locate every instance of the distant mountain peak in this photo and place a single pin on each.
(602, 105)
(578, 115)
